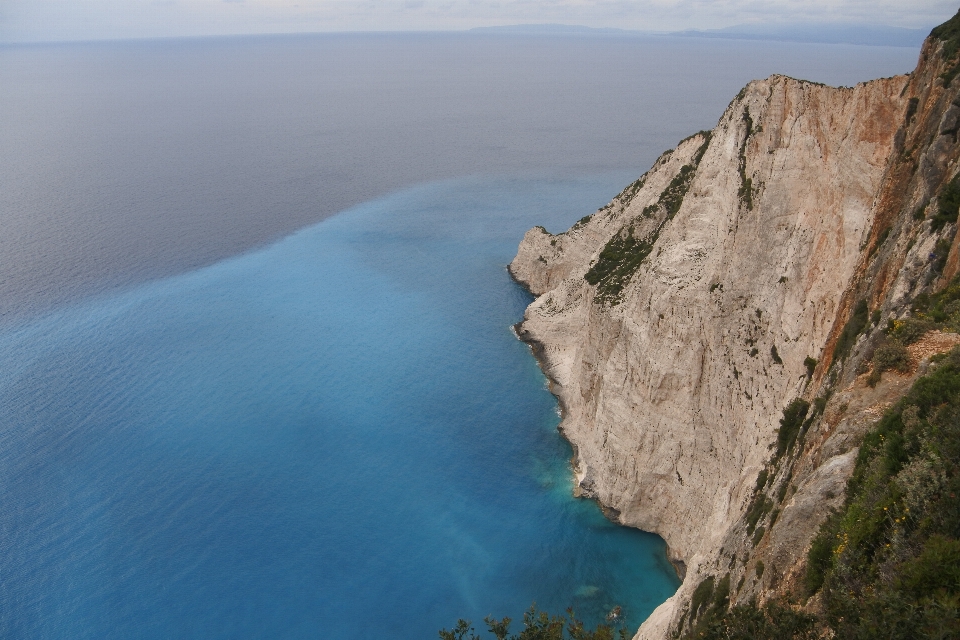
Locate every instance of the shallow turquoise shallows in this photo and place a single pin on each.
(337, 436)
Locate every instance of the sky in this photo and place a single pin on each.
(54, 20)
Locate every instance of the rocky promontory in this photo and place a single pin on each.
(754, 270)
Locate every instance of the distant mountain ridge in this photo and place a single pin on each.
(819, 33)
(829, 33)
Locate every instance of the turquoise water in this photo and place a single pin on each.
(337, 436)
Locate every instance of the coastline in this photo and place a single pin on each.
(612, 514)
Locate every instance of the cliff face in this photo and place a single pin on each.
(677, 322)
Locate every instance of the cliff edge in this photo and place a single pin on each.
(680, 323)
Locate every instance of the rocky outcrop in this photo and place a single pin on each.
(677, 322)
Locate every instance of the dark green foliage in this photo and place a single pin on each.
(617, 263)
(760, 506)
(949, 34)
(937, 568)
(721, 596)
(746, 184)
(710, 600)
(811, 365)
(749, 622)
(920, 212)
(875, 316)
(625, 252)
(889, 355)
(790, 424)
(912, 106)
(820, 556)
(631, 190)
(854, 327)
(909, 330)
(582, 221)
(948, 205)
(761, 481)
(775, 355)
(883, 238)
(819, 404)
(940, 254)
(938, 311)
(889, 563)
(782, 491)
(537, 625)
(701, 595)
(459, 632)
(758, 535)
(759, 568)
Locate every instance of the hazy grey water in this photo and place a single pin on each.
(121, 162)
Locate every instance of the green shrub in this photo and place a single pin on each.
(537, 625)
(701, 595)
(891, 355)
(745, 192)
(759, 568)
(909, 330)
(888, 564)
(773, 621)
(854, 327)
(790, 424)
(811, 365)
(623, 254)
(582, 222)
(820, 556)
(949, 34)
(760, 506)
(761, 481)
(775, 355)
(758, 535)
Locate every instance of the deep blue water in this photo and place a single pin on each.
(337, 436)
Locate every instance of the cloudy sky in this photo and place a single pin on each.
(38, 20)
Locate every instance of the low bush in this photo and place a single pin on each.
(790, 424)
(854, 327)
(888, 564)
(537, 625)
(948, 205)
(889, 355)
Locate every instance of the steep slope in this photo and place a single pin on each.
(754, 265)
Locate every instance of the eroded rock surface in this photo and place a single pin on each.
(673, 372)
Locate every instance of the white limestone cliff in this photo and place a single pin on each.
(672, 387)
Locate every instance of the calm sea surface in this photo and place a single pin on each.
(226, 414)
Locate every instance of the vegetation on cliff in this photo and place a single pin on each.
(949, 34)
(537, 625)
(888, 563)
(625, 252)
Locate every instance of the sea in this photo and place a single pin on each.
(257, 371)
